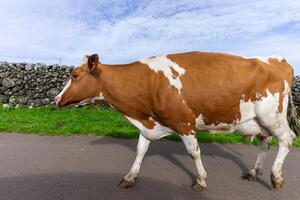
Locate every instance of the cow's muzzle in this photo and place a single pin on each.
(57, 99)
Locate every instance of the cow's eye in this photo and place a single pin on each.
(74, 76)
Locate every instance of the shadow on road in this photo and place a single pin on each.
(79, 186)
(157, 148)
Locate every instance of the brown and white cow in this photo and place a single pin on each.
(192, 91)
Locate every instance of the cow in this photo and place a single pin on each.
(184, 92)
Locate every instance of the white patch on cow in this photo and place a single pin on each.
(163, 64)
(247, 124)
(64, 89)
(247, 110)
(156, 133)
(267, 110)
(266, 59)
(279, 58)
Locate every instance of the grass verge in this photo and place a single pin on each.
(87, 120)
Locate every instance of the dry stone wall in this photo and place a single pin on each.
(31, 84)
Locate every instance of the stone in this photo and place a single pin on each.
(52, 93)
(46, 101)
(21, 100)
(4, 99)
(37, 102)
(8, 83)
(6, 105)
(29, 67)
(12, 100)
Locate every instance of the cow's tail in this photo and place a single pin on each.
(293, 116)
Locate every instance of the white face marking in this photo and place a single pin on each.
(65, 88)
(163, 64)
(67, 85)
(266, 59)
(156, 133)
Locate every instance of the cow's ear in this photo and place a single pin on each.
(93, 61)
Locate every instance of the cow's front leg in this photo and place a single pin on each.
(193, 149)
(264, 146)
(128, 180)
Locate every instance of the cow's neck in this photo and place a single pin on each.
(118, 88)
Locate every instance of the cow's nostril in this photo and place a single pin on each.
(57, 100)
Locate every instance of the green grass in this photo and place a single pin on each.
(87, 120)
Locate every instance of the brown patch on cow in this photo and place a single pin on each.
(174, 73)
(149, 123)
(280, 106)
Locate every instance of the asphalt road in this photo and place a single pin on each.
(85, 167)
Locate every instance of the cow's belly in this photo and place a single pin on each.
(250, 127)
(246, 124)
(156, 133)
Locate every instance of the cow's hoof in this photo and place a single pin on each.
(277, 183)
(196, 186)
(248, 177)
(126, 184)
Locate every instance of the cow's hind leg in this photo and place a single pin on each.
(278, 127)
(264, 146)
(128, 180)
(285, 138)
(193, 149)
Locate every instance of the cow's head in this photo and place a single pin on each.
(83, 84)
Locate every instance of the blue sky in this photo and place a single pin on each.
(126, 30)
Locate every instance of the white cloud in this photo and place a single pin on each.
(123, 31)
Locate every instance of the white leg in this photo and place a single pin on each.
(128, 180)
(277, 124)
(284, 144)
(193, 149)
(264, 146)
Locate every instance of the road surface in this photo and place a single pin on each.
(85, 167)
